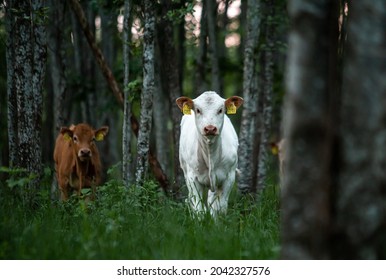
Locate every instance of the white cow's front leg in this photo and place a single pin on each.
(218, 200)
(195, 196)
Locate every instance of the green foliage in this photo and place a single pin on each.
(18, 177)
(177, 15)
(135, 89)
(138, 223)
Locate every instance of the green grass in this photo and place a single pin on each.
(137, 224)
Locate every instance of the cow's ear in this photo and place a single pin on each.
(185, 104)
(233, 103)
(67, 133)
(101, 133)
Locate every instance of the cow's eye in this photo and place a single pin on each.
(219, 111)
(75, 138)
(198, 111)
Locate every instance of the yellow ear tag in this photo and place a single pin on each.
(186, 109)
(275, 150)
(99, 136)
(66, 137)
(231, 109)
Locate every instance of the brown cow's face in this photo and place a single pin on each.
(83, 139)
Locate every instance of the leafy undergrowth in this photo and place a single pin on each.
(137, 223)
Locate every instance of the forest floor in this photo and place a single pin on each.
(137, 223)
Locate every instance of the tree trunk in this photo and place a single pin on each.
(266, 95)
(26, 60)
(56, 37)
(160, 119)
(360, 200)
(103, 100)
(200, 84)
(309, 129)
(249, 114)
(127, 174)
(213, 46)
(147, 93)
(171, 79)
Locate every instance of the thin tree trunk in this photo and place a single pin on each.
(222, 27)
(171, 78)
(200, 84)
(249, 115)
(213, 46)
(57, 66)
(107, 115)
(266, 95)
(143, 142)
(127, 174)
(160, 120)
(58, 77)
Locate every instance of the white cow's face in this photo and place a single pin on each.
(209, 110)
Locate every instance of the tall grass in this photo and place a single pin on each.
(137, 223)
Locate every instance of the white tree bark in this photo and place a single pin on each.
(26, 57)
(147, 93)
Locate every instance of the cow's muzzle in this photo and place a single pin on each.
(210, 130)
(84, 154)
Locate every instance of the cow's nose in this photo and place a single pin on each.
(85, 153)
(210, 130)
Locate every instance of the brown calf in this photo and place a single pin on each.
(76, 156)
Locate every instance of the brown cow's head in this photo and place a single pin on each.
(83, 138)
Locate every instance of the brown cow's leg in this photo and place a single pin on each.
(93, 190)
(79, 190)
(63, 193)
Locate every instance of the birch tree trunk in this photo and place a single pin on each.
(127, 175)
(147, 92)
(26, 60)
(249, 114)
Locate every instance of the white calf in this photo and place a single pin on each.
(208, 149)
